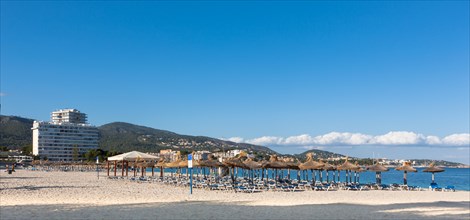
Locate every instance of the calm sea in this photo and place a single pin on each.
(458, 177)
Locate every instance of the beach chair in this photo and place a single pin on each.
(287, 188)
(252, 189)
(318, 188)
(450, 188)
(352, 187)
(384, 187)
(434, 187)
(228, 186)
(272, 186)
(394, 187)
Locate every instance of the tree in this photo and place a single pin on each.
(27, 150)
(75, 153)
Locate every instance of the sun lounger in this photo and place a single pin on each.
(394, 186)
(450, 188)
(434, 187)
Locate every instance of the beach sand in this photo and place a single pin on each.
(81, 195)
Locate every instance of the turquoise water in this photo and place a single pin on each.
(458, 177)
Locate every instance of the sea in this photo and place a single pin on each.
(457, 177)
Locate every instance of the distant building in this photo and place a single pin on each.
(66, 138)
(169, 154)
(201, 155)
(68, 116)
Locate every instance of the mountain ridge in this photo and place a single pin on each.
(16, 133)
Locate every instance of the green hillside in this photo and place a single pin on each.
(120, 136)
(15, 132)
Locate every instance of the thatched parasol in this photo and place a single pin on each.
(346, 165)
(274, 163)
(174, 164)
(378, 169)
(433, 169)
(292, 163)
(235, 162)
(359, 169)
(183, 164)
(161, 164)
(210, 163)
(251, 164)
(309, 164)
(406, 167)
(328, 167)
(357, 172)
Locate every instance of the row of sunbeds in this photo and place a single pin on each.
(258, 185)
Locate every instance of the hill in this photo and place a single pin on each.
(121, 136)
(15, 132)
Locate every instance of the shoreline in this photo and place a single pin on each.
(27, 194)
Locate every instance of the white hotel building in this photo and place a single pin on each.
(66, 137)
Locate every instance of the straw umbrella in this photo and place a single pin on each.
(252, 165)
(357, 172)
(161, 163)
(346, 166)
(433, 169)
(173, 164)
(275, 164)
(235, 162)
(150, 164)
(292, 164)
(210, 163)
(378, 169)
(328, 167)
(309, 164)
(406, 167)
(321, 165)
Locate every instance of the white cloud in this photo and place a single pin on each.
(398, 138)
(336, 138)
(433, 140)
(2, 94)
(353, 139)
(302, 139)
(457, 139)
(235, 139)
(266, 140)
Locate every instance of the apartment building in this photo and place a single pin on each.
(66, 138)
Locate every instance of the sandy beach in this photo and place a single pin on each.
(81, 195)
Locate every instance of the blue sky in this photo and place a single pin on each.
(318, 72)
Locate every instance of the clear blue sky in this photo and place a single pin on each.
(245, 69)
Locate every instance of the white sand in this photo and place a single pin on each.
(78, 195)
